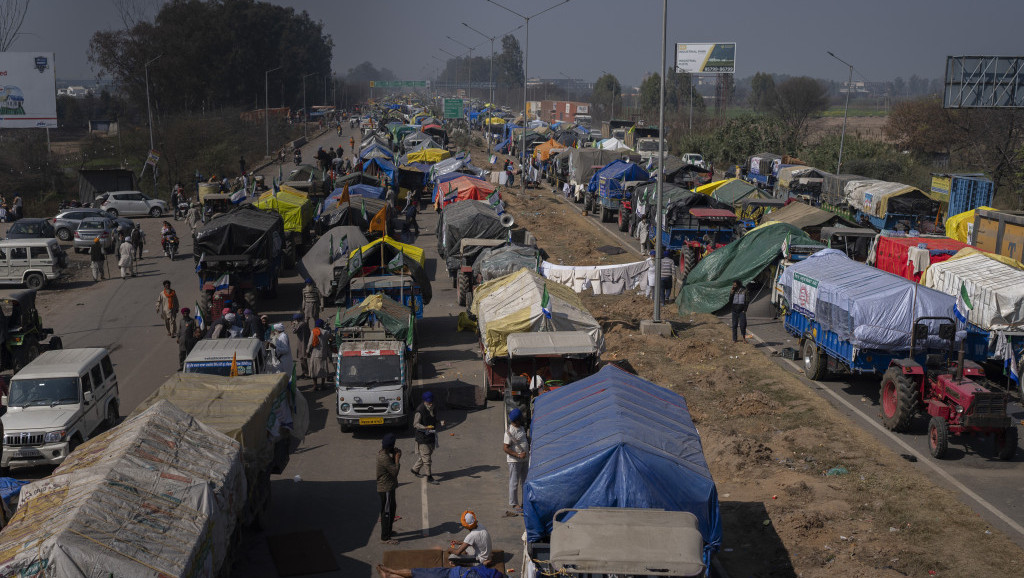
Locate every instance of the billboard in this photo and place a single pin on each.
(719, 57)
(28, 90)
(984, 82)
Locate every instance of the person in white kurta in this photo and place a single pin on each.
(126, 255)
(282, 349)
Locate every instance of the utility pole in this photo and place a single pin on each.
(149, 113)
(266, 103)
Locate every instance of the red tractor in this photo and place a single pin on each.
(950, 392)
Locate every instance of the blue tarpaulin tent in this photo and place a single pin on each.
(383, 166)
(502, 146)
(618, 170)
(616, 440)
(375, 151)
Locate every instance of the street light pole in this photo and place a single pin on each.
(526, 76)
(661, 167)
(266, 103)
(149, 113)
(469, 90)
(846, 110)
(456, 68)
(612, 114)
(305, 113)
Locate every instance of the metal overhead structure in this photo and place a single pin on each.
(984, 82)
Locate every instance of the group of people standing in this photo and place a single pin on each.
(129, 252)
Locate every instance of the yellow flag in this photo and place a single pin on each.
(234, 365)
(379, 222)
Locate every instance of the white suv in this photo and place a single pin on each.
(56, 402)
(134, 203)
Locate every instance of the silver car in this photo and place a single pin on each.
(66, 222)
(134, 203)
(92, 228)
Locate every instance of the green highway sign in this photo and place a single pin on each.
(453, 107)
(397, 83)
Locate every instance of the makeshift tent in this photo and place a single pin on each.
(356, 177)
(293, 205)
(868, 307)
(494, 120)
(159, 495)
(708, 284)
(494, 262)
(330, 252)
(376, 151)
(463, 188)
(383, 256)
(807, 218)
(909, 257)
(466, 220)
(712, 186)
(428, 155)
(423, 145)
(350, 214)
(958, 226)
(996, 290)
(618, 171)
(252, 235)
(374, 140)
(616, 440)
(877, 198)
(613, 144)
(415, 138)
(544, 150)
(383, 310)
(460, 164)
(381, 166)
(512, 304)
(735, 191)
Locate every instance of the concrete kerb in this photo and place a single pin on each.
(271, 160)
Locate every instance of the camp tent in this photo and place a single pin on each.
(612, 144)
(807, 218)
(428, 155)
(386, 255)
(415, 138)
(712, 186)
(545, 150)
(423, 145)
(380, 166)
(734, 191)
(330, 251)
(293, 205)
(376, 151)
(462, 188)
(512, 304)
(616, 440)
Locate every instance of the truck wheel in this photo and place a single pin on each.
(938, 437)
(899, 399)
(689, 261)
(606, 215)
(345, 428)
(113, 415)
(623, 223)
(35, 281)
(814, 362)
(1006, 443)
(463, 286)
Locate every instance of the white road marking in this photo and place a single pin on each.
(425, 521)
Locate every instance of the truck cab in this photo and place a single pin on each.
(373, 380)
(216, 356)
(648, 148)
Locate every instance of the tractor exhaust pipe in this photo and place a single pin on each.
(960, 363)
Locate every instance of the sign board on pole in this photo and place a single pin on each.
(453, 108)
(28, 90)
(398, 83)
(717, 57)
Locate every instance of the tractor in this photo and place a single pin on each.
(949, 391)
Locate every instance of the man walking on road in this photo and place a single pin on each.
(138, 238)
(310, 301)
(186, 336)
(97, 259)
(126, 256)
(738, 302)
(388, 464)
(167, 307)
(517, 450)
(425, 423)
(301, 330)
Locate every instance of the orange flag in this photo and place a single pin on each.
(344, 196)
(234, 365)
(379, 222)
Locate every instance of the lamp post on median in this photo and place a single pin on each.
(266, 103)
(526, 60)
(305, 112)
(469, 88)
(661, 167)
(149, 113)
(846, 110)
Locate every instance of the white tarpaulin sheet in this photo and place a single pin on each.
(996, 290)
(157, 496)
(601, 279)
(866, 306)
(613, 144)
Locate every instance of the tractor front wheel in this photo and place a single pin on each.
(815, 366)
(1006, 443)
(899, 399)
(463, 286)
(623, 223)
(938, 437)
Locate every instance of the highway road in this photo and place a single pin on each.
(989, 486)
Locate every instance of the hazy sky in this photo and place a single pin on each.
(881, 38)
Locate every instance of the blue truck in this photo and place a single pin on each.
(611, 186)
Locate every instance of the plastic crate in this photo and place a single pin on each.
(969, 192)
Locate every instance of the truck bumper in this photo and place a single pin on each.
(372, 420)
(47, 454)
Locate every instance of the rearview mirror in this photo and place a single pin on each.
(920, 332)
(88, 397)
(3, 401)
(947, 331)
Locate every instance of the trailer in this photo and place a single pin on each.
(999, 232)
(892, 206)
(762, 170)
(611, 186)
(910, 257)
(962, 192)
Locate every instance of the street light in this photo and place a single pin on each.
(305, 113)
(526, 61)
(438, 73)
(456, 68)
(490, 77)
(469, 90)
(846, 110)
(266, 103)
(149, 113)
(612, 113)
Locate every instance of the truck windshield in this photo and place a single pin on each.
(245, 367)
(647, 145)
(370, 371)
(49, 391)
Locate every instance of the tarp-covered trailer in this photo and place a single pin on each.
(465, 220)
(761, 170)
(328, 257)
(833, 190)
(157, 496)
(909, 257)
(614, 443)
(962, 192)
(889, 206)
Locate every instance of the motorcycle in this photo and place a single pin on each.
(170, 246)
(298, 158)
(181, 210)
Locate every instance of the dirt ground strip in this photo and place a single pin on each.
(804, 491)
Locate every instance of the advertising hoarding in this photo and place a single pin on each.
(28, 90)
(718, 57)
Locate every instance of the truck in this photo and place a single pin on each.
(237, 257)
(962, 192)
(584, 120)
(583, 163)
(648, 148)
(999, 232)
(375, 363)
(762, 169)
(500, 260)
(384, 266)
(833, 192)
(611, 186)
(637, 133)
(468, 220)
(616, 128)
(887, 205)
(595, 433)
(296, 211)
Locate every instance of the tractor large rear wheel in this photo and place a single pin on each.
(815, 365)
(938, 437)
(899, 399)
(463, 287)
(1006, 443)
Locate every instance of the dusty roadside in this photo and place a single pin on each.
(803, 489)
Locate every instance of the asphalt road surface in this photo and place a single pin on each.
(990, 486)
(329, 485)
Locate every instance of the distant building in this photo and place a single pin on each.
(562, 110)
(75, 91)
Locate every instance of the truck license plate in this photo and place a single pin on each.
(29, 453)
(371, 421)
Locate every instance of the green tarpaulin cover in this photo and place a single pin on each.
(708, 285)
(395, 317)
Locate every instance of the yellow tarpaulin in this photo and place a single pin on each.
(428, 156)
(956, 226)
(293, 205)
(411, 251)
(494, 120)
(712, 187)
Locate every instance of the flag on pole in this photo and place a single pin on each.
(199, 317)
(199, 264)
(345, 198)
(963, 304)
(330, 254)
(362, 211)
(1014, 370)
(234, 365)
(545, 302)
(280, 173)
(380, 221)
(222, 282)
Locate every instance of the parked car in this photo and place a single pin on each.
(134, 203)
(92, 227)
(66, 222)
(31, 229)
(694, 159)
(31, 262)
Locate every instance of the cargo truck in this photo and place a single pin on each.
(999, 232)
